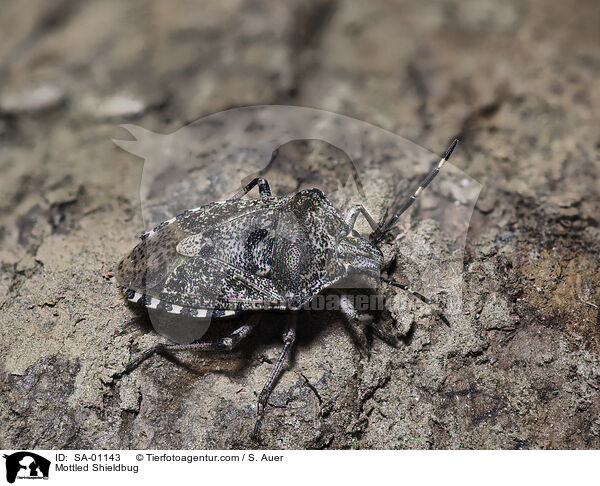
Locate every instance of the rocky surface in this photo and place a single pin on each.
(517, 82)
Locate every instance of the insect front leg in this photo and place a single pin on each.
(419, 296)
(353, 213)
(224, 344)
(356, 322)
(289, 336)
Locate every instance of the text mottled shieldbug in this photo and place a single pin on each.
(239, 255)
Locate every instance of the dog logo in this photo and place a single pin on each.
(26, 465)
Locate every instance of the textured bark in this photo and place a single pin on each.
(516, 81)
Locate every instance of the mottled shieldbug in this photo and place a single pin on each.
(242, 255)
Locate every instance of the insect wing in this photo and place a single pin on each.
(217, 256)
(229, 265)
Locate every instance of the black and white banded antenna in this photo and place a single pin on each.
(385, 228)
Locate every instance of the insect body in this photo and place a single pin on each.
(253, 254)
(245, 254)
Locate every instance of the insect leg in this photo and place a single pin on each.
(353, 213)
(356, 323)
(225, 344)
(419, 296)
(381, 232)
(289, 336)
(263, 188)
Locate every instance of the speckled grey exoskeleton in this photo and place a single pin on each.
(242, 255)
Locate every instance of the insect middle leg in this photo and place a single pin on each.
(224, 344)
(289, 336)
(263, 188)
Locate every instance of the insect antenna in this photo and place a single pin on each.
(386, 227)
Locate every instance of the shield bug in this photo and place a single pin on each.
(242, 255)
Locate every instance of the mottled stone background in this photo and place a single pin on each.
(517, 81)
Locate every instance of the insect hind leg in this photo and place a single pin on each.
(227, 343)
(419, 296)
